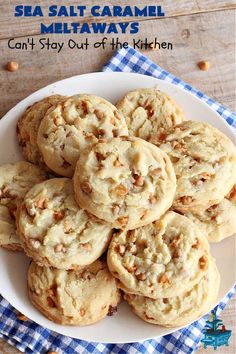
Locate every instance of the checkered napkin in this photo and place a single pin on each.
(31, 338)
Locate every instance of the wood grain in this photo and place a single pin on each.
(20, 26)
(198, 29)
(196, 38)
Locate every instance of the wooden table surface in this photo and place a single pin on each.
(198, 30)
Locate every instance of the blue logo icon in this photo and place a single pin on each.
(215, 333)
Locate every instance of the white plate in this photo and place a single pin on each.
(125, 326)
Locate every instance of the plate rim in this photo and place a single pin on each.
(119, 73)
(21, 105)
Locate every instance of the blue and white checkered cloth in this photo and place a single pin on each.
(31, 338)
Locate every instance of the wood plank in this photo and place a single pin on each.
(194, 38)
(31, 25)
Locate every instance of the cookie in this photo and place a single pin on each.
(125, 181)
(73, 297)
(75, 124)
(148, 111)
(159, 260)
(219, 220)
(204, 160)
(55, 231)
(183, 309)
(15, 181)
(8, 235)
(28, 125)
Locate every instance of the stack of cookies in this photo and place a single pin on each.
(118, 201)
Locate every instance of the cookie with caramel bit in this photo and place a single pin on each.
(131, 193)
(160, 260)
(55, 231)
(73, 297)
(73, 125)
